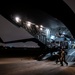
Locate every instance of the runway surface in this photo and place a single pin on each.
(27, 66)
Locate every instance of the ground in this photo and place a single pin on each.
(28, 66)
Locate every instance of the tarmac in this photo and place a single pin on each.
(29, 66)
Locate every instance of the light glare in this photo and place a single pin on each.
(41, 29)
(37, 26)
(28, 23)
(41, 26)
(17, 19)
(52, 37)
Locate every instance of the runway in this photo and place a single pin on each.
(29, 66)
